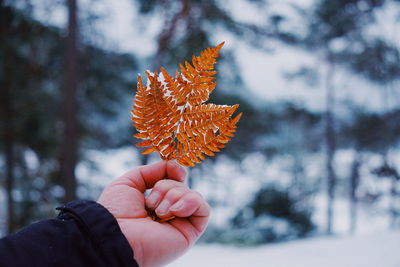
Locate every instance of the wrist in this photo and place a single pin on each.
(134, 242)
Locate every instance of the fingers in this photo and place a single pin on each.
(144, 177)
(190, 204)
(195, 208)
(170, 198)
(161, 188)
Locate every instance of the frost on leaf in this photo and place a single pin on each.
(172, 118)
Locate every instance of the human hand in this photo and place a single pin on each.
(156, 243)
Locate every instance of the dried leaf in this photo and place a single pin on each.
(172, 118)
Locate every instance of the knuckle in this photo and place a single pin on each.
(195, 196)
(175, 192)
(162, 185)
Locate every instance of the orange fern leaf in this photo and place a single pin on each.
(172, 118)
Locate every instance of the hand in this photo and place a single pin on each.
(156, 243)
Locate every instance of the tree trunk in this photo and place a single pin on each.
(69, 147)
(9, 155)
(171, 24)
(393, 210)
(7, 119)
(354, 182)
(330, 145)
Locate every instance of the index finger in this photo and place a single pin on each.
(145, 176)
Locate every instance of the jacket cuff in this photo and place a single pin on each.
(101, 227)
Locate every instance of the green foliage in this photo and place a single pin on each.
(27, 62)
(256, 124)
(264, 128)
(31, 68)
(268, 205)
(273, 215)
(146, 6)
(105, 90)
(378, 61)
(387, 171)
(189, 26)
(369, 131)
(335, 19)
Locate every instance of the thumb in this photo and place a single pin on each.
(146, 176)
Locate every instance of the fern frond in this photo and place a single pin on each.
(170, 115)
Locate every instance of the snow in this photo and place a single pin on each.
(379, 249)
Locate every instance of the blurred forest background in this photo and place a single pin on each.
(317, 150)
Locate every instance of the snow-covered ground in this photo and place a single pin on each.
(373, 250)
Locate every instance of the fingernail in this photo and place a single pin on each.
(177, 206)
(181, 169)
(163, 207)
(153, 199)
(175, 163)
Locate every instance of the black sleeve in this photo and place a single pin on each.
(83, 234)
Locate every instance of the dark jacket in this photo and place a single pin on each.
(83, 234)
